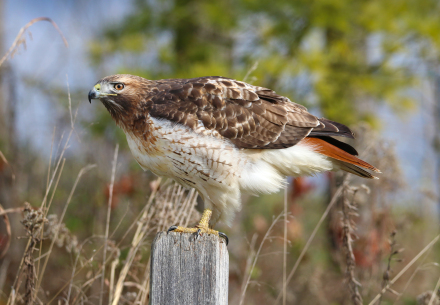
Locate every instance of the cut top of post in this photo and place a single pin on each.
(188, 270)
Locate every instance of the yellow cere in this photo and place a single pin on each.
(98, 88)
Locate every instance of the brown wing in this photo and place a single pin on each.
(250, 116)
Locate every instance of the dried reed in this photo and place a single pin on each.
(348, 228)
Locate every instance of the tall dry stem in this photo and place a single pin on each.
(285, 248)
(107, 225)
(348, 227)
(423, 251)
(266, 236)
(309, 241)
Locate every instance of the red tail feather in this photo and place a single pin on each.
(325, 148)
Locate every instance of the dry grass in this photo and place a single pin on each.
(66, 264)
(348, 231)
(126, 281)
(20, 39)
(106, 276)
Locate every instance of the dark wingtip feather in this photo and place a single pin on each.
(331, 128)
(342, 128)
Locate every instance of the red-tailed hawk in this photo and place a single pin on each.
(223, 137)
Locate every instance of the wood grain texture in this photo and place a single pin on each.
(189, 271)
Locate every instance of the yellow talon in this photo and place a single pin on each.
(201, 228)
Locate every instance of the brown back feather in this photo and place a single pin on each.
(251, 117)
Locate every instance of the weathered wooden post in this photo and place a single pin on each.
(189, 271)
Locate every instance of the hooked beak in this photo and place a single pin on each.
(97, 93)
(94, 93)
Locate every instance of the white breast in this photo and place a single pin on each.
(216, 168)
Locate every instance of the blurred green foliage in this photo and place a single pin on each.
(338, 56)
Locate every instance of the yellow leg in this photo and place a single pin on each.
(201, 228)
(206, 217)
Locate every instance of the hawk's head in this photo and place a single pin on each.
(119, 93)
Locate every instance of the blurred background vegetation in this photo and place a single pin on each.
(373, 65)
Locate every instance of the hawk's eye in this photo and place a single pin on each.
(119, 86)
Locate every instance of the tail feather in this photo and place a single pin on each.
(353, 169)
(344, 146)
(343, 159)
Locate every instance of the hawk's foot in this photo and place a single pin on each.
(201, 228)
